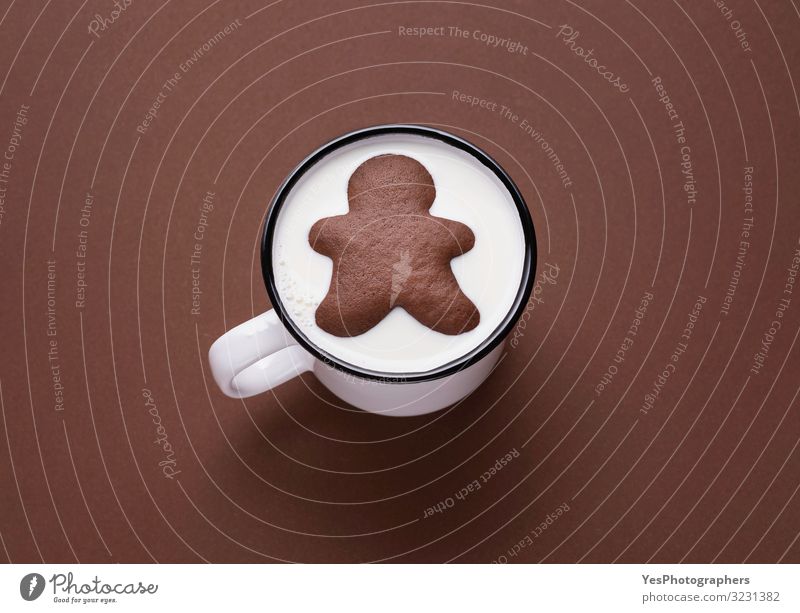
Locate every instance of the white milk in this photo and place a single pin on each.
(489, 274)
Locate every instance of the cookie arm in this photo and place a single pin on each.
(458, 236)
(323, 235)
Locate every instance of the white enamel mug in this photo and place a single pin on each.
(270, 349)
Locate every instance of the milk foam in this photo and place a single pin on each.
(489, 274)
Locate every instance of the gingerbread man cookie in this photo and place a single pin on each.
(388, 251)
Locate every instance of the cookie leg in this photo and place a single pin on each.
(351, 307)
(445, 309)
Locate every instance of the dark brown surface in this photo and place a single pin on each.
(388, 251)
(708, 471)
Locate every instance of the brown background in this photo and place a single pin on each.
(710, 473)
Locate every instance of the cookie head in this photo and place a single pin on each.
(392, 184)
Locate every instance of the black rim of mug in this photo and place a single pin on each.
(454, 366)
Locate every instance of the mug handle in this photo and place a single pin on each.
(256, 356)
